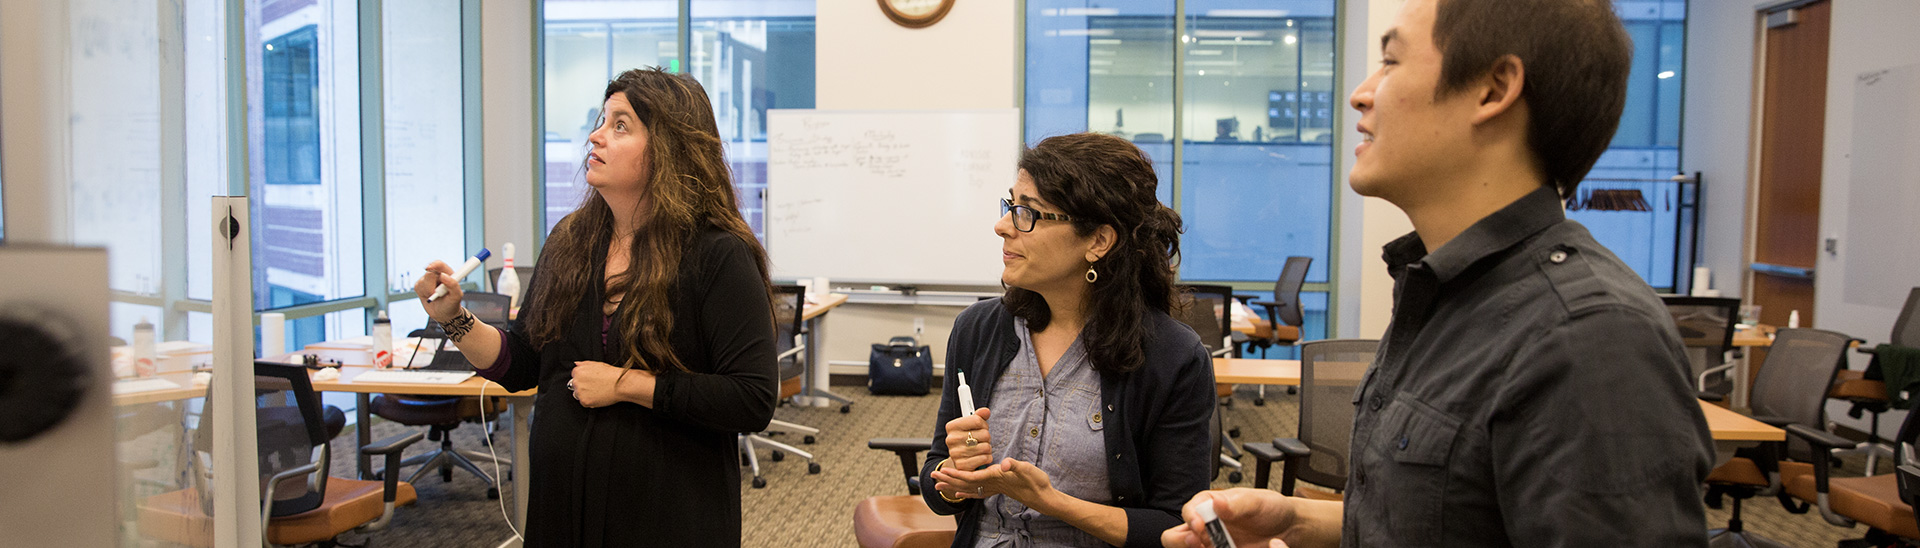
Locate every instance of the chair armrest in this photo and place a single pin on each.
(1243, 297)
(1263, 457)
(1264, 303)
(1709, 396)
(1776, 422)
(896, 445)
(393, 444)
(1292, 447)
(908, 449)
(1819, 438)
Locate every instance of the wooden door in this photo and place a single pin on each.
(1786, 209)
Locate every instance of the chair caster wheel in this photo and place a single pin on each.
(807, 440)
(846, 408)
(1292, 390)
(1234, 477)
(1227, 403)
(779, 456)
(493, 493)
(1233, 433)
(1259, 402)
(446, 475)
(759, 482)
(813, 468)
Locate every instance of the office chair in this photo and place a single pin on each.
(1790, 392)
(443, 414)
(524, 272)
(901, 521)
(1884, 503)
(1283, 312)
(300, 502)
(1706, 326)
(1869, 395)
(1330, 370)
(788, 341)
(1205, 311)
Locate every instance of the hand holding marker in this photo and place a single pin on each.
(465, 269)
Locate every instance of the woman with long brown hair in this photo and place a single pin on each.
(647, 327)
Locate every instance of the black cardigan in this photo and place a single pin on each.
(626, 475)
(1158, 419)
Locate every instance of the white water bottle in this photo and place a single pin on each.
(382, 341)
(143, 349)
(509, 282)
(1793, 319)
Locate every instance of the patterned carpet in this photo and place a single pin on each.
(800, 510)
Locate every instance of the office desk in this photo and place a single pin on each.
(186, 390)
(1732, 431)
(813, 384)
(357, 361)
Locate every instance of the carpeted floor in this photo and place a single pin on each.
(797, 509)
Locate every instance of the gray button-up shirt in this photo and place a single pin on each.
(1054, 422)
(1531, 391)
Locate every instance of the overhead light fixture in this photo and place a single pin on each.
(1290, 39)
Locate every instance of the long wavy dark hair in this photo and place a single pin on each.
(689, 188)
(1105, 180)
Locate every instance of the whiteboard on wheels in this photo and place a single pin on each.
(901, 197)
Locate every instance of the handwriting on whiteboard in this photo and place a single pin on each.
(878, 152)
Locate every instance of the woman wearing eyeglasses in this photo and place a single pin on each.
(1094, 403)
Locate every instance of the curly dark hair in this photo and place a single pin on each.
(1105, 180)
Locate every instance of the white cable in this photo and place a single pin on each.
(485, 435)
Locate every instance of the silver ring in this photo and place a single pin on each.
(971, 441)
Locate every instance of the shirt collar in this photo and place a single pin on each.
(1511, 224)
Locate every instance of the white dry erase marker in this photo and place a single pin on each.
(966, 395)
(1216, 531)
(465, 269)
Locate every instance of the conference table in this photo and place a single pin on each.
(1730, 430)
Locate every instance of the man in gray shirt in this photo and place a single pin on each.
(1531, 389)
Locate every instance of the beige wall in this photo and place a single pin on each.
(866, 62)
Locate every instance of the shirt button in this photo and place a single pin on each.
(1376, 402)
(1109, 408)
(1403, 443)
(1121, 498)
(1034, 432)
(1558, 256)
(1096, 418)
(1116, 456)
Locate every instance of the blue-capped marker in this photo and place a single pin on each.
(465, 269)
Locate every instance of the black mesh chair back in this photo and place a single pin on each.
(1286, 290)
(1706, 326)
(525, 273)
(289, 426)
(788, 306)
(1205, 311)
(1330, 370)
(1792, 383)
(1906, 329)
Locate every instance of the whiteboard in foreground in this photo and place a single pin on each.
(889, 196)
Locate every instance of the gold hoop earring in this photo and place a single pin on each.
(1091, 275)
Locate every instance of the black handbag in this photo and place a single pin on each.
(901, 367)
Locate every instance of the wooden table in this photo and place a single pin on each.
(1758, 336)
(813, 383)
(354, 362)
(1256, 371)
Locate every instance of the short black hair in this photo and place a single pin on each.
(1577, 57)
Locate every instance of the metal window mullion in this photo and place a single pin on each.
(1339, 144)
(173, 170)
(685, 30)
(373, 157)
(1179, 99)
(537, 81)
(238, 164)
(473, 147)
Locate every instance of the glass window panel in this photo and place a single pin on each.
(206, 143)
(305, 174)
(1645, 150)
(1257, 183)
(751, 57)
(1106, 69)
(587, 43)
(425, 137)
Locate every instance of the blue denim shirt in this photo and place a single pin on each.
(1052, 420)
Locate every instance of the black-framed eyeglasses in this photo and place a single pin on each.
(1024, 217)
